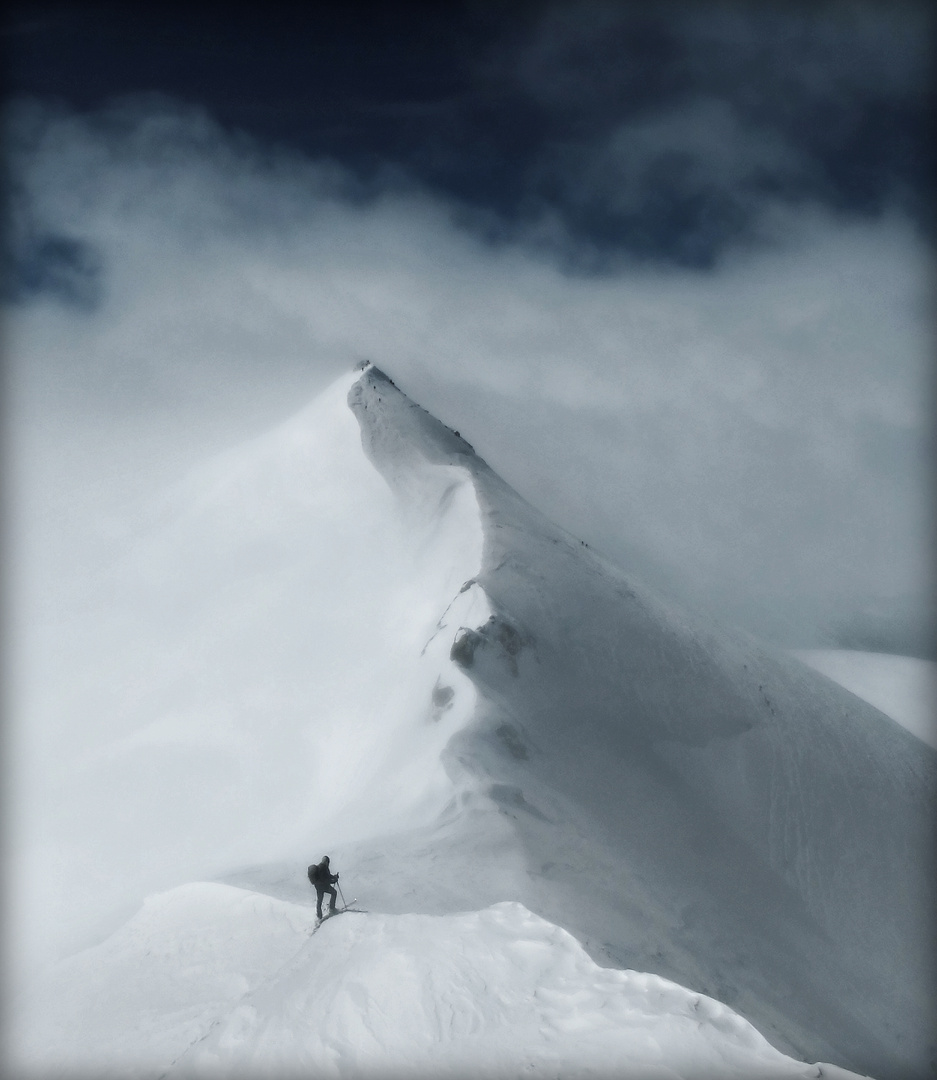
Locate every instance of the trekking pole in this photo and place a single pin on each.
(342, 895)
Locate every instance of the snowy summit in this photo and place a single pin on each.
(589, 834)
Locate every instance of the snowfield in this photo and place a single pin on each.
(211, 980)
(592, 835)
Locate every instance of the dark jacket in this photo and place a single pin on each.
(319, 874)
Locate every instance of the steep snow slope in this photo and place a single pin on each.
(686, 801)
(211, 980)
(264, 665)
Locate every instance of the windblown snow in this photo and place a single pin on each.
(589, 835)
(267, 664)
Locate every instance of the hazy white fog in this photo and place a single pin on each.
(754, 437)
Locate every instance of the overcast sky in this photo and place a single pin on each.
(668, 268)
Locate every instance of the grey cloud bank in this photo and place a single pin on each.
(754, 439)
(654, 132)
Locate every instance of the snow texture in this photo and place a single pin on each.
(500, 739)
(211, 980)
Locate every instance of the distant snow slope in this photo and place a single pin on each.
(208, 979)
(903, 687)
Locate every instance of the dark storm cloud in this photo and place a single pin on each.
(670, 130)
(597, 130)
(56, 264)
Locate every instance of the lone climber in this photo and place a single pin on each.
(322, 878)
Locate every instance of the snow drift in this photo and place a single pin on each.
(391, 657)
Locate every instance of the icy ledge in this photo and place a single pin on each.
(207, 978)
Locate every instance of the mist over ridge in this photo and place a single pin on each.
(752, 438)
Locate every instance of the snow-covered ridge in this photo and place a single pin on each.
(501, 740)
(739, 823)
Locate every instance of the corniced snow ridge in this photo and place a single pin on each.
(686, 800)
